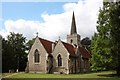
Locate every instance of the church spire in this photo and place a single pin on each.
(73, 25)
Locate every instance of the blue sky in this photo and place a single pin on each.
(49, 19)
(30, 10)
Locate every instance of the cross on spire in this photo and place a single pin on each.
(59, 37)
(37, 34)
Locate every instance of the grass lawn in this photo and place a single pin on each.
(6, 74)
(103, 74)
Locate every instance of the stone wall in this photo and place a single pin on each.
(40, 67)
(60, 49)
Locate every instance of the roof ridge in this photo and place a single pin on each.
(46, 40)
(70, 48)
(46, 44)
(67, 43)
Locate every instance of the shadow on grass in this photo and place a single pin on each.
(109, 75)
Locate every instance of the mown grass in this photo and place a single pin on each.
(6, 74)
(103, 74)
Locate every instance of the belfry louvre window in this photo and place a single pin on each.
(59, 60)
(36, 56)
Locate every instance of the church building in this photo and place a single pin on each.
(59, 57)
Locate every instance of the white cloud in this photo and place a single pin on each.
(56, 25)
(26, 27)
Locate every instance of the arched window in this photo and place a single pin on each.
(59, 60)
(71, 41)
(36, 56)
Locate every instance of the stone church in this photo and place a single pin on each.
(59, 57)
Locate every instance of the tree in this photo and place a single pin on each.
(106, 42)
(14, 52)
(115, 35)
(101, 56)
(86, 42)
(29, 44)
(7, 56)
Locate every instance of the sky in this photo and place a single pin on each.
(50, 19)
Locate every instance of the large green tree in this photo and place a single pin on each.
(106, 42)
(115, 35)
(7, 56)
(100, 44)
(14, 52)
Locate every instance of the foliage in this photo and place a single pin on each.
(106, 42)
(100, 44)
(30, 43)
(13, 53)
(86, 42)
(7, 56)
(115, 35)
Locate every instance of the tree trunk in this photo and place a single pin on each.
(118, 71)
(118, 67)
